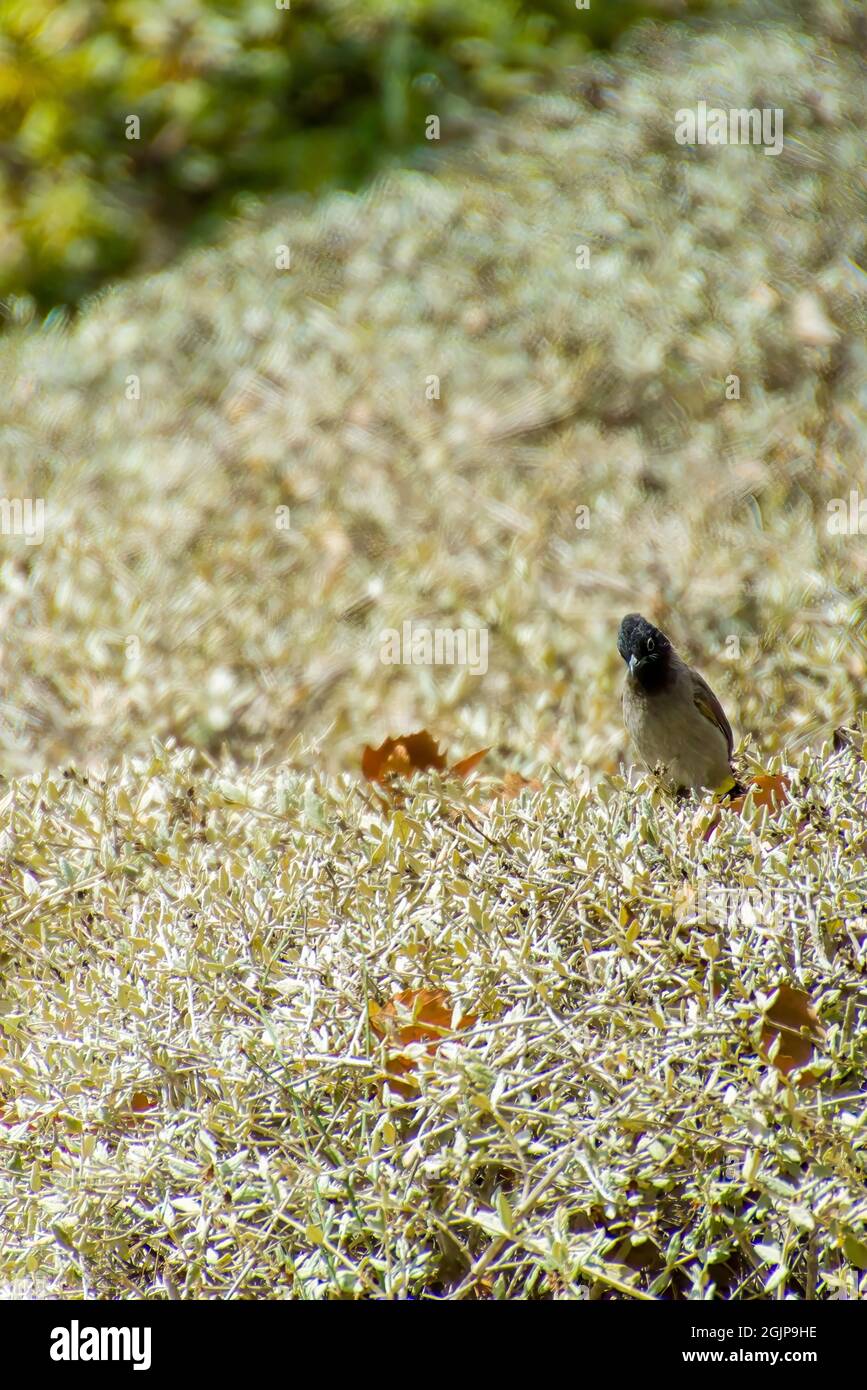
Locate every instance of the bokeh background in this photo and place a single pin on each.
(246, 475)
(236, 101)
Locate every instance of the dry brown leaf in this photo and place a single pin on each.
(413, 1016)
(410, 753)
(466, 765)
(768, 789)
(141, 1102)
(771, 790)
(792, 1018)
(402, 756)
(514, 784)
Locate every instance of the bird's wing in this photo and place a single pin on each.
(708, 705)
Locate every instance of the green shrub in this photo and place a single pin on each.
(233, 99)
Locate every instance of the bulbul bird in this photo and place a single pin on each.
(676, 723)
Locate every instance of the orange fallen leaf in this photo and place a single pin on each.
(466, 765)
(514, 784)
(413, 1016)
(791, 1017)
(410, 753)
(768, 789)
(771, 790)
(142, 1102)
(399, 757)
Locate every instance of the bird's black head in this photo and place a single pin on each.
(645, 650)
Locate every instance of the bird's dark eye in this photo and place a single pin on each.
(651, 645)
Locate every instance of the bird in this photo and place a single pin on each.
(676, 724)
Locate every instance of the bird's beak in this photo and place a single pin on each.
(633, 664)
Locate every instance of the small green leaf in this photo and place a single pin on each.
(504, 1211)
(855, 1251)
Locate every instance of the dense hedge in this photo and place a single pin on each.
(235, 98)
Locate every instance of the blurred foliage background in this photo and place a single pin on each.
(173, 424)
(237, 99)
